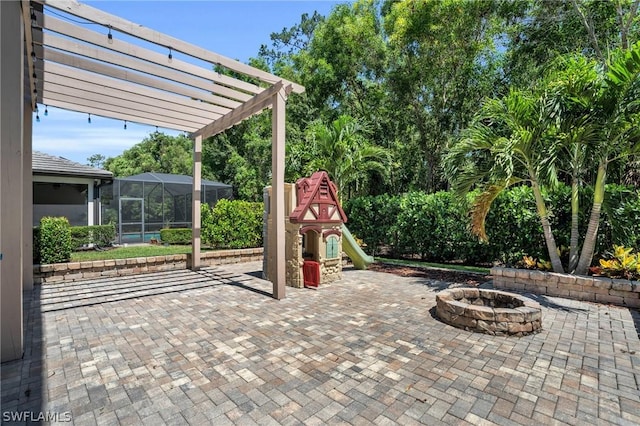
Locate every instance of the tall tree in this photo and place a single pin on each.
(443, 62)
(158, 152)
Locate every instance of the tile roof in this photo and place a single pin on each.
(45, 164)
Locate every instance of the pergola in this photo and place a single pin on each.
(85, 64)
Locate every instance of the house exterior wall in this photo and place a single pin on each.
(64, 196)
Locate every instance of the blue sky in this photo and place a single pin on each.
(232, 28)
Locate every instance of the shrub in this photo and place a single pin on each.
(36, 245)
(436, 226)
(623, 263)
(620, 224)
(233, 224)
(176, 235)
(374, 219)
(54, 240)
(99, 235)
(104, 235)
(80, 236)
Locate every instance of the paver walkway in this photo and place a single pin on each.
(211, 348)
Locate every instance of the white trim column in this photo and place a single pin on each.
(90, 204)
(195, 203)
(11, 183)
(278, 275)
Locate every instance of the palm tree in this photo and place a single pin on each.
(505, 145)
(618, 119)
(587, 115)
(571, 87)
(343, 151)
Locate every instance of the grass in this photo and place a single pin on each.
(132, 251)
(449, 266)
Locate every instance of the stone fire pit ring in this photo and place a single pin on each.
(489, 311)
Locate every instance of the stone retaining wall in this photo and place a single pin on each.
(74, 271)
(591, 289)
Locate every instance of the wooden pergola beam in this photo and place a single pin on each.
(258, 103)
(231, 87)
(127, 27)
(54, 56)
(71, 103)
(92, 83)
(133, 64)
(134, 105)
(28, 38)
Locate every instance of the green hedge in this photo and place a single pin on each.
(54, 240)
(176, 235)
(435, 226)
(232, 224)
(373, 220)
(99, 235)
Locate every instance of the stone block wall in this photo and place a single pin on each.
(591, 289)
(74, 271)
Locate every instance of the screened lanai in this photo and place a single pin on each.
(141, 205)
(73, 56)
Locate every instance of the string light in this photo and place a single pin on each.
(34, 19)
(125, 124)
(170, 55)
(46, 111)
(89, 119)
(37, 114)
(110, 36)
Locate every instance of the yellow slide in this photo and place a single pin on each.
(349, 245)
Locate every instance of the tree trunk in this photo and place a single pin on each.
(575, 235)
(586, 256)
(546, 227)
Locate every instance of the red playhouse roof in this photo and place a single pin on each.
(317, 201)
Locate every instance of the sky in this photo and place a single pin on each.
(235, 29)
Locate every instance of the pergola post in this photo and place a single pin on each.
(277, 191)
(195, 200)
(27, 198)
(11, 178)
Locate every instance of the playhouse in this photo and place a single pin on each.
(314, 232)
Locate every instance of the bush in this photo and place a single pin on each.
(54, 239)
(176, 235)
(99, 235)
(436, 226)
(373, 218)
(232, 224)
(80, 236)
(36, 245)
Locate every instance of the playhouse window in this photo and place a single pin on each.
(332, 247)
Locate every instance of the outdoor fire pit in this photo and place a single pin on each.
(489, 311)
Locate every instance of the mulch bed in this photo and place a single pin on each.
(431, 273)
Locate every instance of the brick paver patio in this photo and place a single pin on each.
(211, 348)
